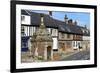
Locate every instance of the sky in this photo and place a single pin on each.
(81, 17)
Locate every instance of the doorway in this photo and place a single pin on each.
(49, 53)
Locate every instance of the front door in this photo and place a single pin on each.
(49, 53)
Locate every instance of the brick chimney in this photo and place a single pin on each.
(66, 19)
(70, 22)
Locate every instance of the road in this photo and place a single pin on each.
(82, 55)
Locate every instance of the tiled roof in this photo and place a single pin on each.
(75, 29)
(24, 12)
(63, 27)
(36, 19)
(53, 23)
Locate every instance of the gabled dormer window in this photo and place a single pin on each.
(62, 34)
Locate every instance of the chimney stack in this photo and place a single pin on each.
(75, 23)
(50, 13)
(66, 19)
(70, 22)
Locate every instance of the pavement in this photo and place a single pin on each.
(76, 55)
(80, 55)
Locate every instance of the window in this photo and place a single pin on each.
(22, 31)
(22, 18)
(73, 37)
(23, 45)
(68, 43)
(76, 44)
(73, 43)
(62, 34)
(68, 35)
(53, 32)
(49, 30)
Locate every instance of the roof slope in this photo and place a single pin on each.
(36, 19)
(86, 31)
(63, 27)
(53, 23)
